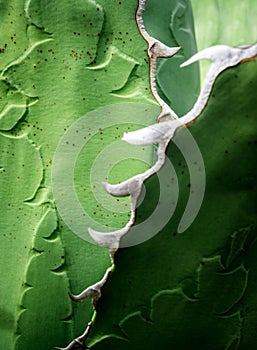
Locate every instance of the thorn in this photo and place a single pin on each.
(109, 240)
(79, 343)
(155, 133)
(125, 188)
(224, 56)
(88, 293)
(74, 345)
(158, 49)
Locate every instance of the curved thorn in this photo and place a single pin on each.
(223, 55)
(125, 188)
(88, 293)
(156, 133)
(93, 291)
(109, 240)
(158, 49)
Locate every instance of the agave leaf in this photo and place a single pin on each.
(180, 327)
(219, 22)
(131, 316)
(174, 267)
(18, 155)
(65, 58)
(172, 24)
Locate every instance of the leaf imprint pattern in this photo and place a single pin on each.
(161, 133)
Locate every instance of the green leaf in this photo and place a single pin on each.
(196, 303)
(73, 61)
(18, 157)
(65, 58)
(162, 298)
(180, 327)
(171, 22)
(223, 22)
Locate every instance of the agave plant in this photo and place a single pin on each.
(168, 262)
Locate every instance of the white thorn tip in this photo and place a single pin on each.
(125, 188)
(158, 49)
(156, 133)
(109, 240)
(223, 55)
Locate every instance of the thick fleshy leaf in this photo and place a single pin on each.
(219, 22)
(194, 281)
(58, 62)
(171, 22)
(178, 290)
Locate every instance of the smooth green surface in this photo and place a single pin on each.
(224, 22)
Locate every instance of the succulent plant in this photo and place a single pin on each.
(77, 77)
